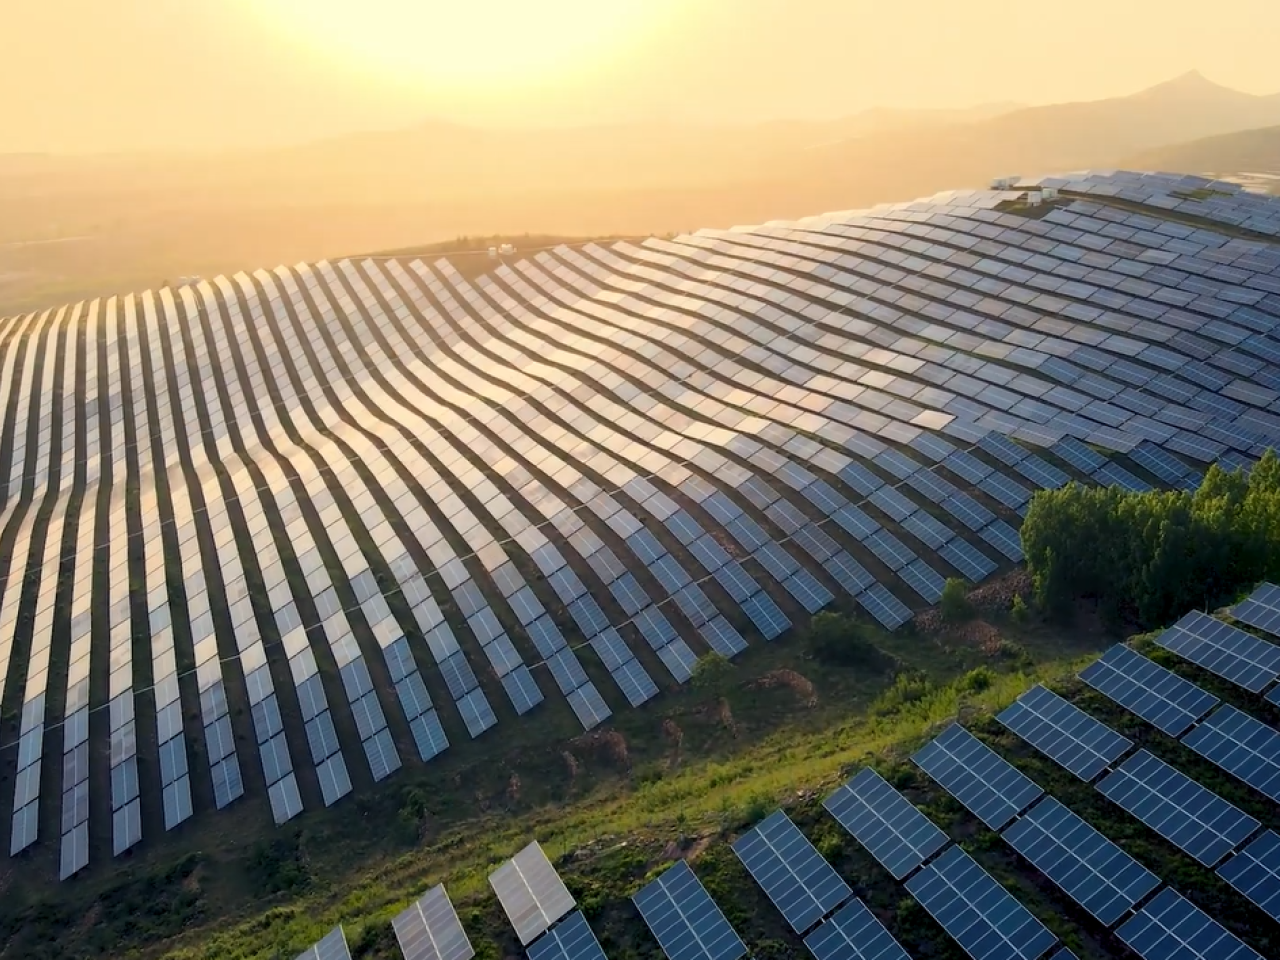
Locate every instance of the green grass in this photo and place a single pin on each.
(689, 769)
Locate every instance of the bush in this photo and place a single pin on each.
(712, 673)
(1019, 612)
(977, 680)
(955, 604)
(835, 638)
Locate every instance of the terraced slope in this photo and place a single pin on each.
(280, 534)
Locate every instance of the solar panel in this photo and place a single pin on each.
(1190, 817)
(884, 606)
(1087, 866)
(1244, 747)
(801, 884)
(1261, 609)
(1082, 457)
(333, 946)
(977, 912)
(570, 939)
(531, 892)
(885, 822)
(1113, 475)
(989, 786)
(1005, 539)
(1155, 694)
(971, 562)
(1170, 926)
(853, 933)
(1255, 872)
(685, 920)
(924, 580)
(1232, 654)
(767, 617)
(1064, 733)
(430, 929)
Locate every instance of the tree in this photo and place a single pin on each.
(955, 604)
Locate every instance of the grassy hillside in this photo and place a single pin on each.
(697, 763)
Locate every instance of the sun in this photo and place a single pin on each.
(488, 44)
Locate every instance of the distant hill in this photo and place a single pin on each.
(1249, 151)
(139, 219)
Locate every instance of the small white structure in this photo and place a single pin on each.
(1049, 193)
(493, 253)
(1033, 199)
(1004, 183)
(507, 249)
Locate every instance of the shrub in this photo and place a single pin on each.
(977, 680)
(712, 673)
(1019, 612)
(955, 604)
(835, 638)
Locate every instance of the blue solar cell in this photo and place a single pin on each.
(1002, 448)
(854, 522)
(1084, 458)
(930, 485)
(814, 541)
(1005, 539)
(860, 479)
(1241, 745)
(929, 530)
(1261, 609)
(977, 912)
(1170, 927)
(968, 511)
(988, 785)
(966, 558)
(924, 580)
(892, 503)
(1087, 866)
(852, 576)
(1255, 872)
(634, 682)
(721, 637)
(804, 586)
(853, 933)
(1160, 697)
(685, 920)
(777, 562)
(1004, 490)
(1064, 733)
(570, 939)
(1159, 463)
(736, 581)
(1190, 817)
(1114, 475)
(966, 466)
(801, 884)
(1042, 474)
(766, 615)
(891, 551)
(884, 606)
(885, 822)
(1240, 657)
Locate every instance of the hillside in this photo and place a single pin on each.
(321, 581)
(1233, 154)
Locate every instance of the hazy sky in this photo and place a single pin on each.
(90, 75)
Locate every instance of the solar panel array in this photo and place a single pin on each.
(1096, 873)
(333, 946)
(1156, 694)
(685, 920)
(1172, 926)
(570, 939)
(429, 929)
(854, 933)
(991, 788)
(666, 449)
(1064, 732)
(531, 893)
(803, 886)
(1220, 648)
(1255, 872)
(1261, 609)
(885, 822)
(984, 918)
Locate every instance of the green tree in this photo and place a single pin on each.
(955, 604)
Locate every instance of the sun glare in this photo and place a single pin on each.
(490, 44)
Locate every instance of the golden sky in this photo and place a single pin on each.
(106, 75)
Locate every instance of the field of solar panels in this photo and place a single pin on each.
(315, 545)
